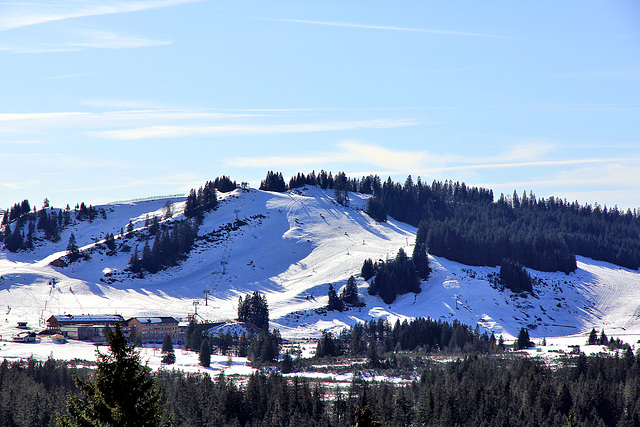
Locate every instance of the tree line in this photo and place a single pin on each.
(376, 337)
(22, 227)
(465, 223)
(471, 390)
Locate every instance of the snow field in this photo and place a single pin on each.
(291, 246)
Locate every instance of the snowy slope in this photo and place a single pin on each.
(291, 246)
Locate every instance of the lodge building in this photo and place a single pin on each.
(84, 327)
(154, 329)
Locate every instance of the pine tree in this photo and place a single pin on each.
(603, 340)
(364, 418)
(254, 309)
(421, 260)
(334, 303)
(169, 355)
(375, 209)
(341, 189)
(123, 392)
(350, 293)
(134, 263)
(72, 248)
(205, 353)
(523, 340)
(367, 271)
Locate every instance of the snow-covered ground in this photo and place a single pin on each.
(291, 246)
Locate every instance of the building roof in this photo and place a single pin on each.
(87, 318)
(145, 320)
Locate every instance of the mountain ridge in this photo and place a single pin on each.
(291, 246)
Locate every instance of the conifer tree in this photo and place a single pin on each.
(72, 248)
(375, 209)
(341, 189)
(205, 353)
(122, 393)
(134, 263)
(367, 271)
(254, 309)
(334, 303)
(169, 355)
(421, 260)
(523, 340)
(350, 293)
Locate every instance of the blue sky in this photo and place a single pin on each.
(109, 100)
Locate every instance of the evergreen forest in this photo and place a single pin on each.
(469, 390)
(467, 225)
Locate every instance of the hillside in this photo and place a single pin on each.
(291, 246)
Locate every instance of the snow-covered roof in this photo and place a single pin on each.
(154, 319)
(87, 318)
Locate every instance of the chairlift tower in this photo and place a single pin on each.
(223, 264)
(206, 294)
(236, 211)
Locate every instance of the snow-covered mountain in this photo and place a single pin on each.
(291, 246)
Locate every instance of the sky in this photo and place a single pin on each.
(111, 100)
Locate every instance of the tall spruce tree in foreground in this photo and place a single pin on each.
(122, 393)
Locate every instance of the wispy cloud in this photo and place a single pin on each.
(110, 40)
(6, 117)
(353, 152)
(68, 76)
(17, 15)
(390, 159)
(539, 163)
(121, 104)
(20, 185)
(25, 142)
(229, 130)
(283, 161)
(595, 170)
(528, 150)
(81, 39)
(384, 28)
(117, 117)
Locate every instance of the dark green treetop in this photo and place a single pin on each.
(122, 393)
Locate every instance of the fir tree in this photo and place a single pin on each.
(205, 353)
(273, 182)
(254, 309)
(375, 209)
(349, 294)
(421, 260)
(341, 189)
(73, 252)
(134, 262)
(367, 271)
(334, 303)
(123, 392)
(169, 355)
(523, 340)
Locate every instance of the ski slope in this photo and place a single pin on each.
(291, 246)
